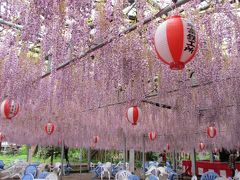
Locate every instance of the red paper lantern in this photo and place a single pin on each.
(59, 142)
(152, 135)
(211, 131)
(168, 147)
(201, 146)
(9, 109)
(96, 139)
(176, 42)
(49, 128)
(134, 114)
(2, 137)
(215, 150)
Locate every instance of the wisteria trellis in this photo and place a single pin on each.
(91, 96)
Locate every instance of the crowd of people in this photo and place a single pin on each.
(233, 157)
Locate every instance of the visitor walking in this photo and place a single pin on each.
(164, 157)
(66, 153)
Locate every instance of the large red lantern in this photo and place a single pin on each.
(49, 128)
(152, 135)
(176, 42)
(134, 114)
(211, 131)
(9, 109)
(2, 137)
(96, 139)
(201, 146)
(168, 147)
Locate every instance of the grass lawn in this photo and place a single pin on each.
(7, 159)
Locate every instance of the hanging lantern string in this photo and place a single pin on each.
(186, 134)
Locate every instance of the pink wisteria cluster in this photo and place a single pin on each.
(90, 96)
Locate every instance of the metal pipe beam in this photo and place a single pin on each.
(10, 24)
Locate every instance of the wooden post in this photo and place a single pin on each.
(125, 151)
(211, 154)
(62, 156)
(105, 154)
(211, 157)
(193, 159)
(174, 160)
(143, 155)
(80, 160)
(131, 160)
(89, 158)
(28, 153)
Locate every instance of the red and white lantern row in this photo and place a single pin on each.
(96, 139)
(201, 146)
(2, 137)
(176, 42)
(152, 135)
(211, 131)
(49, 128)
(9, 109)
(134, 114)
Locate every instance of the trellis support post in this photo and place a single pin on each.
(193, 159)
(62, 156)
(143, 155)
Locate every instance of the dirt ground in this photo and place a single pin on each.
(87, 176)
(77, 176)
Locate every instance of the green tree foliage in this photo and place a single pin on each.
(23, 150)
(46, 152)
(224, 155)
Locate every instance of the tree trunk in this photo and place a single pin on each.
(52, 153)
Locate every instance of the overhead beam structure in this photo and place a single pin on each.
(10, 24)
(164, 11)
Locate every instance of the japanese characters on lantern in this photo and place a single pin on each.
(176, 42)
